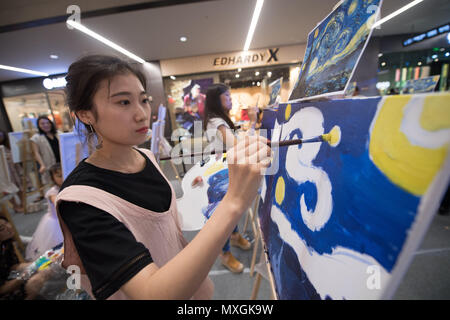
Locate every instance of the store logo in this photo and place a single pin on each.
(54, 83)
(251, 58)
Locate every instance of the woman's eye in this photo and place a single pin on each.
(146, 100)
(124, 102)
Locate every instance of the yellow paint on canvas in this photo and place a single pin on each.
(352, 7)
(287, 112)
(411, 167)
(436, 113)
(216, 167)
(280, 190)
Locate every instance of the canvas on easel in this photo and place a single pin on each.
(334, 48)
(342, 220)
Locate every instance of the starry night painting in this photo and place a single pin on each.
(334, 48)
(342, 219)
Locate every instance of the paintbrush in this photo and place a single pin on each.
(332, 138)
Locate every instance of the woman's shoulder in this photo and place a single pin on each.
(216, 122)
(36, 137)
(79, 176)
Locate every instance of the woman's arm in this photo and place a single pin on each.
(181, 277)
(37, 156)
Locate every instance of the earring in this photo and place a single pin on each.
(99, 145)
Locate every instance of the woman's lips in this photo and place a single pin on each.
(142, 130)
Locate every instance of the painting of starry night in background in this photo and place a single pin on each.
(334, 48)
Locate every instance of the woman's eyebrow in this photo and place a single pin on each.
(125, 93)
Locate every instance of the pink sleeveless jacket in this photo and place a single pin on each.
(159, 232)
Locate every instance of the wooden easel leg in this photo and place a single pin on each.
(256, 287)
(255, 251)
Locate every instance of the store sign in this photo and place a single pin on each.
(427, 35)
(233, 60)
(247, 59)
(50, 83)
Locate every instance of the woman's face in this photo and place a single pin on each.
(45, 125)
(225, 98)
(57, 176)
(123, 111)
(6, 230)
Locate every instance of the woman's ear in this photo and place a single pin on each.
(85, 116)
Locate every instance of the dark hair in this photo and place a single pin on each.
(52, 130)
(86, 74)
(5, 141)
(54, 168)
(213, 105)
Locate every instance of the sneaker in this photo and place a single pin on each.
(229, 261)
(239, 241)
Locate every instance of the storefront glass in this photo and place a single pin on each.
(398, 70)
(249, 87)
(29, 107)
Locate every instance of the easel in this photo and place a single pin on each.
(27, 158)
(159, 145)
(262, 268)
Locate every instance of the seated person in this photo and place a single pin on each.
(22, 287)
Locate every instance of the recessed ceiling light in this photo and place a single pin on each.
(447, 54)
(434, 56)
(172, 77)
(258, 83)
(257, 73)
(237, 75)
(240, 69)
(269, 74)
(183, 39)
(436, 60)
(383, 64)
(53, 56)
(419, 63)
(380, 55)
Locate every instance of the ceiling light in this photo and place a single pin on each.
(447, 54)
(434, 56)
(102, 39)
(383, 64)
(436, 60)
(255, 18)
(240, 69)
(237, 75)
(183, 39)
(53, 56)
(396, 13)
(258, 83)
(380, 55)
(257, 73)
(419, 63)
(269, 74)
(24, 70)
(172, 77)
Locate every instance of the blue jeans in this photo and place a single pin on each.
(226, 247)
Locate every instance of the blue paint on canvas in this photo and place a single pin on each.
(218, 186)
(370, 216)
